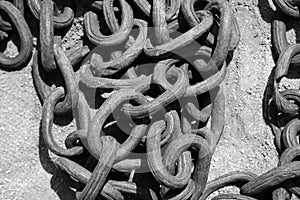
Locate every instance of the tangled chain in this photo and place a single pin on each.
(146, 98)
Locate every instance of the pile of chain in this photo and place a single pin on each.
(147, 103)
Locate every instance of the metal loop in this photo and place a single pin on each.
(101, 68)
(289, 134)
(25, 37)
(207, 134)
(279, 37)
(73, 137)
(132, 188)
(289, 156)
(104, 111)
(199, 115)
(72, 91)
(109, 15)
(272, 178)
(86, 77)
(82, 118)
(159, 22)
(169, 96)
(286, 7)
(174, 46)
(218, 117)
(172, 128)
(20, 5)
(145, 7)
(92, 27)
(233, 178)
(208, 84)
(100, 173)
(47, 122)
(47, 36)
(123, 150)
(184, 161)
(201, 169)
(220, 53)
(132, 141)
(158, 168)
(62, 20)
(37, 72)
(83, 175)
(6, 26)
(187, 7)
(282, 68)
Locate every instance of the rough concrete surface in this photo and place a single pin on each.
(26, 172)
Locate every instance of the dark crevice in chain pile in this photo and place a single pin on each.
(142, 94)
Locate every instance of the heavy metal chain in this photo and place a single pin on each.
(146, 97)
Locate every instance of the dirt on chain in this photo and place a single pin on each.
(26, 170)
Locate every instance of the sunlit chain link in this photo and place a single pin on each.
(18, 23)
